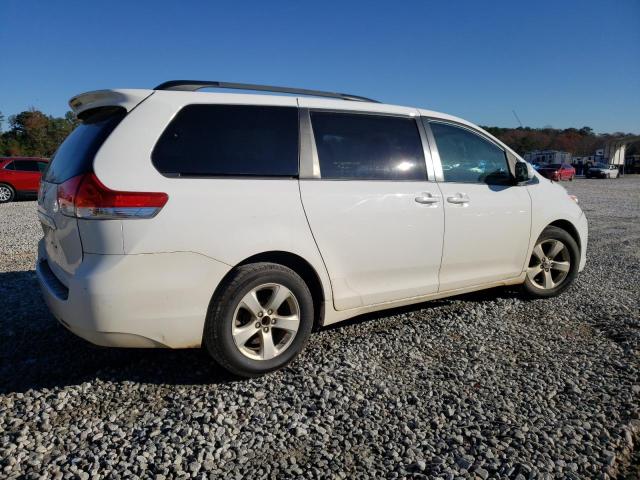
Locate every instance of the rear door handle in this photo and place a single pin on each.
(427, 199)
(459, 199)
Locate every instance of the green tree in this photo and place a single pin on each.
(33, 133)
(583, 141)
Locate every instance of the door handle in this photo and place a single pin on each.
(427, 199)
(459, 199)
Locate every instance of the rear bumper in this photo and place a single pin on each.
(147, 300)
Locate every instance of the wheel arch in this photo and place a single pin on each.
(299, 265)
(562, 223)
(568, 227)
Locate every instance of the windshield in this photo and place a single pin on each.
(75, 155)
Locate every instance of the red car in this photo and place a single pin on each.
(20, 176)
(557, 171)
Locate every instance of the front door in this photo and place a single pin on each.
(377, 219)
(487, 217)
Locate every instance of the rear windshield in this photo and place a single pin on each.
(554, 165)
(75, 155)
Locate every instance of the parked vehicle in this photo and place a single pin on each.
(558, 171)
(536, 165)
(239, 222)
(20, 176)
(601, 170)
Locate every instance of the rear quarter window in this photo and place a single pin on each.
(75, 155)
(229, 140)
(26, 166)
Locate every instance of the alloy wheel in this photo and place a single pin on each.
(5, 194)
(266, 321)
(549, 265)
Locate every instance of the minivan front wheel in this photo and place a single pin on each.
(553, 265)
(259, 320)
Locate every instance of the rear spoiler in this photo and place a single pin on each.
(127, 99)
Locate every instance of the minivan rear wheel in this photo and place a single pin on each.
(6, 193)
(553, 264)
(259, 319)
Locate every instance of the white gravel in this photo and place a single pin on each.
(484, 385)
(19, 235)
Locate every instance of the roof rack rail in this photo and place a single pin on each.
(194, 85)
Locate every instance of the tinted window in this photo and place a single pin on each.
(42, 166)
(469, 158)
(26, 166)
(230, 140)
(75, 155)
(9, 166)
(368, 147)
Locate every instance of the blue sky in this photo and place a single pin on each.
(559, 63)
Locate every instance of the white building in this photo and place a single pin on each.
(547, 156)
(597, 157)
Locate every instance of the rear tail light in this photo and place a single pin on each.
(66, 195)
(85, 196)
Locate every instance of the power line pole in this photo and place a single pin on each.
(517, 118)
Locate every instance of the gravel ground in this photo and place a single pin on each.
(483, 385)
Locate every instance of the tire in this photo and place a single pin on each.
(552, 266)
(243, 353)
(571, 178)
(7, 193)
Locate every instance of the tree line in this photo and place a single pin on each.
(579, 142)
(33, 133)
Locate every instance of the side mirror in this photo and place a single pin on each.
(521, 172)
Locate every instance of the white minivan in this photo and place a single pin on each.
(240, 222)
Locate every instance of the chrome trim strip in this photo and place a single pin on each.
(309, 162)
(431, 177)
(435, 156)
(111, 213)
